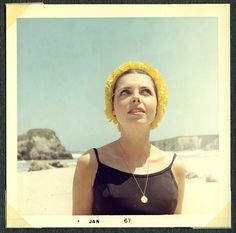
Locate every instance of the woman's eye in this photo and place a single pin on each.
(146, 92)
(124, 92)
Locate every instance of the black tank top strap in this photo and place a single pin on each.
(173, 159)
(96, 153)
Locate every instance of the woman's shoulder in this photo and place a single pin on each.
(86, 158)
(179, 165)
(86, 163)
(162, 155)
(86, 167)
(91, 157)
(170, 158)
(107, 152)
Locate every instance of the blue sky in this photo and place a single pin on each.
(63, 64)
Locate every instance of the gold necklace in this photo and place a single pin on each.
(143, 198)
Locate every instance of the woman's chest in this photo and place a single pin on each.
(120, 193)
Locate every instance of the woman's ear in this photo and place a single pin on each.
(113, 112)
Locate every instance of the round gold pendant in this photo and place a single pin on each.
(144, 199)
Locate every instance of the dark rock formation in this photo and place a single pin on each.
(41, 144)
(42, 165)
(210, 178)
(57, 164)
(204, 142)
(38, 165)
(191, 175)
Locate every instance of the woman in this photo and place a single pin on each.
(131, 176)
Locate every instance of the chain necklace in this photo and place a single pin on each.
(143, 198)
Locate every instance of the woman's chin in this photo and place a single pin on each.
(137, 123)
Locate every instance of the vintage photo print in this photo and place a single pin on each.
(59, 58)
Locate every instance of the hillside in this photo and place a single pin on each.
(180, 143)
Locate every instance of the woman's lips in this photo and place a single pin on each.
(136, 111)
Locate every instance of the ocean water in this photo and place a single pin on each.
(24, 165)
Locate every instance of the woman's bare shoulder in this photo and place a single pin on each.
(86, 162)
(86, 158)
(162, 155)
(179, 166)
(106, 152)
(167, 157)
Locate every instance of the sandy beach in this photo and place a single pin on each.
(49, 192)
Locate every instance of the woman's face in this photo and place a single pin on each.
(135, 100)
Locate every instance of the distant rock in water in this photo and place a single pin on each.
(191, 175)
(57, 164)
(202, 142)
(38, 166)
(40, 144)
(210, 178)
(42, 165)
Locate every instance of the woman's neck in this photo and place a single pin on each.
(135, 143)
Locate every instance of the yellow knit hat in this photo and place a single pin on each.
(162, 93)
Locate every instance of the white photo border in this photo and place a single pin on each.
(38, 10)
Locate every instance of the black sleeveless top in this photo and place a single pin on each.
(116, 193)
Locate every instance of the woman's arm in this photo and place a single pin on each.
(179, 172)
(83, 185)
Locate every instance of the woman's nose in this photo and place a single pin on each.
(135, 100)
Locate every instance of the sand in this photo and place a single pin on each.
(49, 192)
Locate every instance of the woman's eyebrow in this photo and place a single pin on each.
(125, 87)
(143, 87)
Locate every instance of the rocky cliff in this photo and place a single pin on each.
(203, 142)
(40, 144)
